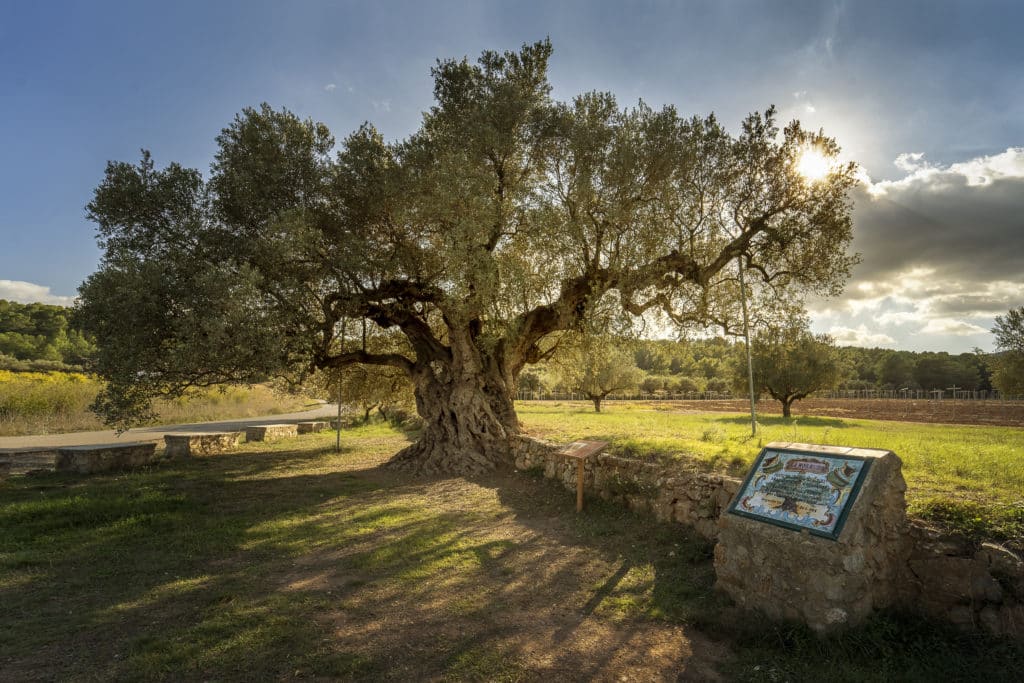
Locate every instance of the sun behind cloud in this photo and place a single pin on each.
(813, 164)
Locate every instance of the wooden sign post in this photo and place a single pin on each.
(580, 451)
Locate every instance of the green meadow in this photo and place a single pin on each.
(967, 478)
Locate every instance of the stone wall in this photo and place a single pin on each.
(669, 493)
(974, 587)
(943, 577)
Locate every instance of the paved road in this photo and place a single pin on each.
(46, 441)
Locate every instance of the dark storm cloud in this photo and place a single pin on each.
(964, 225)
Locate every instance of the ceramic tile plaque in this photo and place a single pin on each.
(800, 490)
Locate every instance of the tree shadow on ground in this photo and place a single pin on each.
(306, 563)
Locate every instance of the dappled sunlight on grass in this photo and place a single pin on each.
(289, 560)
(174, 589)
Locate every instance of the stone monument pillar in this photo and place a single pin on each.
(816, 534)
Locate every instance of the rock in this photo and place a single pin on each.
(990, 621)
(946, 576)
(984, 588)
(1001, 560)
(961, 615)
(1011, 621)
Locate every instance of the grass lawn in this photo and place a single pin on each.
(966, 477)
(291, 561)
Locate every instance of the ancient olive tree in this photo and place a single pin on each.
(790, 363)
(496, 224)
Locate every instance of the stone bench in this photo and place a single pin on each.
(311, 427)
(21, 461)
(104, 457)
(270, 432)
(200, 443)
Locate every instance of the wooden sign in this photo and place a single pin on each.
(580, 450)
(798, 489)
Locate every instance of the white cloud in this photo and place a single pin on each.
(330, 87)
(910, 161)
(859, 336)
(951, 326)
(900, 318)
(29, 293)
(381, 105)
(980, 171)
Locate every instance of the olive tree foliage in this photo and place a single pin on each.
(597, 365)
(495, 226)
(1008, 364)
(790, 363)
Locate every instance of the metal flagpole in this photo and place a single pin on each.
(746, 337)
(337, 437)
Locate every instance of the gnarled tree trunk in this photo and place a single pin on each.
(468, 416)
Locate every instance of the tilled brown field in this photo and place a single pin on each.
(990, 413)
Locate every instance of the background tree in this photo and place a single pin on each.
(41, 336)
(943, 371)
(1008, 364)
(376, 387)
(895, 370)
(790, 363)
(498, 224)
(596, 366)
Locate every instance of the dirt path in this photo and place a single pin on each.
(157, 433)
(552, 595)
(33, 453)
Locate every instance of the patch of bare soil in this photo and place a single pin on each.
(537, 599)
(988, 413)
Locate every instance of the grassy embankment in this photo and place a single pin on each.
(966, 478)
(56, 402)
(291, 561)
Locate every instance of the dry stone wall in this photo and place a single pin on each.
(974, 587)
(676, 493)
(922, 569)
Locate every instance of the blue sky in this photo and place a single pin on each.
(927, 96)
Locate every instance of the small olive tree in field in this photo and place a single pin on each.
(1008, 364)
(497, 224)
(790, 363)
(597, 366)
